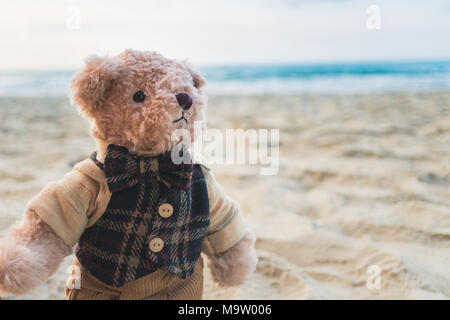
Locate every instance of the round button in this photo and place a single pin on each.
(156, 244)
(165, 210)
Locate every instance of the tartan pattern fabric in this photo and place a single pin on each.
(124, 170)
(116, 248)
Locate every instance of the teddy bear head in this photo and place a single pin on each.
(139, 99)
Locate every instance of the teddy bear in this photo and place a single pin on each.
(139, 222)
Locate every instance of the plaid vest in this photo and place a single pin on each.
(157, 218)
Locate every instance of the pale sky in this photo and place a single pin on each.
(38, 34)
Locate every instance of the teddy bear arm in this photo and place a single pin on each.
(229, 245)
(53, 223)
(29, 255)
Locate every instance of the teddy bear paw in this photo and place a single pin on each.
(235, 266)
(18, 272)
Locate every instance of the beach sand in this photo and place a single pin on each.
(364, 180)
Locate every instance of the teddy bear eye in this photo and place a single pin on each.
(139, 96)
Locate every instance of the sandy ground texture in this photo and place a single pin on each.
(364, 180)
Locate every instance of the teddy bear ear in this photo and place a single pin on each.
(90, 86)
(198, 79)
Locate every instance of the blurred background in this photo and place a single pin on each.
(360, 91)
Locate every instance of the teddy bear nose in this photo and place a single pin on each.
(184, 100)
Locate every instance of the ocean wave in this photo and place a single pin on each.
(270, 79)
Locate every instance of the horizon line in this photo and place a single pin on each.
(275, 63)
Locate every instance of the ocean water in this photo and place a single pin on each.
(272, 79)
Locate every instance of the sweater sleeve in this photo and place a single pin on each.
(68, 205)
(227, 226)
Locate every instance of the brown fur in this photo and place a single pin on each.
(233, 267)
(104, 91)
(29, 255)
